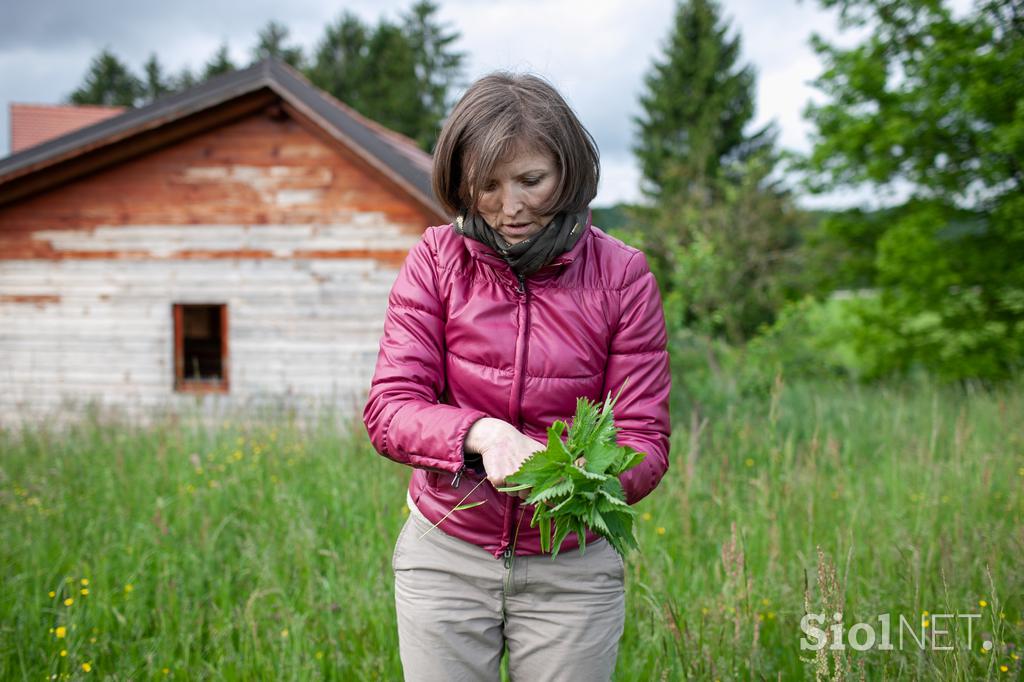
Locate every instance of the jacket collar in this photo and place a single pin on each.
(482, 252)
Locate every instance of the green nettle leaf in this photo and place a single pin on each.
(571, 497)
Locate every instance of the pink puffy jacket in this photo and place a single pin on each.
(465, 339)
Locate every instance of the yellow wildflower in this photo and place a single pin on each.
(63, 652)
(749, 462)
(52, 594)
(765, 601)
(61, 632)
(319, 655)
(128, 587)
(771, 615)
(926, 623)
(646, 516)
(661, 530)
(85, 591)
(924, 613)
(69, 601)
(1003, 669)
(87, 667)
(85, 581)
(982, 603)
(1014, 656)
(92, 640)
(284, 633)
(705, 610)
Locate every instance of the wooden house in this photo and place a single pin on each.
(231, 245)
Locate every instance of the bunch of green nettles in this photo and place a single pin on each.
(575, 483)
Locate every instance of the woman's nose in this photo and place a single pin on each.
(511, 202)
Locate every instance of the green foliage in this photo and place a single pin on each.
(696, 103)
(220, 63)
(575, 484)
(724, 252)
(109, 82)
(438, 67)
(400, 75)
(721, 231)
(933, 103)
(156, 84)
(340, 60)
(270, 42)
(838, 249)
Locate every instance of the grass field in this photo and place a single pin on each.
(260, 549)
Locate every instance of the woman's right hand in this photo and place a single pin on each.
(502, 448)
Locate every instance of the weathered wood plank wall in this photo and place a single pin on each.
(300, 241)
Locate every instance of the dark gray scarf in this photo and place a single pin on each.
(529, 255)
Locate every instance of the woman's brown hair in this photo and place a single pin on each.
(499, 113)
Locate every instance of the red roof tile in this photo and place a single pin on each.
(32, 124)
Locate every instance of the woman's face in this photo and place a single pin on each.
(515, 188)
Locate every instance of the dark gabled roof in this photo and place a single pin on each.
(391, 153)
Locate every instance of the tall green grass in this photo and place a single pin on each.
(260, 547)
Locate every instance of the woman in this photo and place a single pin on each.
(495, 326)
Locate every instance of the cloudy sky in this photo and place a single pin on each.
(595, 51)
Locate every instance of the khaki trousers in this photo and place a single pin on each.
(458, 607)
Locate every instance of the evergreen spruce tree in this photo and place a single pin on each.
(438, 66)
(156, 84)
(219, 63)
(340, 60)
(271, 43)
(719, 233)
(390, 90)
(696, 104)
(108, 82)
(400, 75)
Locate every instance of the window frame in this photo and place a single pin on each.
(183, 384)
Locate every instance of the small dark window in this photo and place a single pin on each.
(201, 347)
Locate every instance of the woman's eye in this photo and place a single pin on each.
(530, 182)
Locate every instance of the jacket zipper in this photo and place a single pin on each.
(518, 388)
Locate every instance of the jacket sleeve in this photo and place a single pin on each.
(403, 415)
(638, 358)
